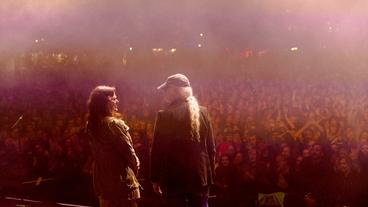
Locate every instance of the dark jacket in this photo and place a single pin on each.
(177, 161)
(347, 190)
(115, 161)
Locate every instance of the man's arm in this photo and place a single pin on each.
(158, 146)
(158, 150)
(211, 144)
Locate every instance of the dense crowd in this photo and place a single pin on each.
(305, 139)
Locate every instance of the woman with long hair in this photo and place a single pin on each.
(115, 161)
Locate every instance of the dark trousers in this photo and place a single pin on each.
(196, 198)
(117, 203)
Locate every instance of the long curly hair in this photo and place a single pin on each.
(97, 105)
(193, 109)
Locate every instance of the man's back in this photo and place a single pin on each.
(178, 160)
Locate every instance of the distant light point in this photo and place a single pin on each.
(294, 49)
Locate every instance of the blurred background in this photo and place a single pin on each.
(284, 81)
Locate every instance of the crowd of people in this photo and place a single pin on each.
(307, 140)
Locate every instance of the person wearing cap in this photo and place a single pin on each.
(183, 148)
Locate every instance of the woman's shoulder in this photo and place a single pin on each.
(114, 122)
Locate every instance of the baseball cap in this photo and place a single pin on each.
(178, 80)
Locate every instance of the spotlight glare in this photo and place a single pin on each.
(294, 49)
(157, 49)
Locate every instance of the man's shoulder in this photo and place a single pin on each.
(164, 112)
(169, 111)
(203, 108)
